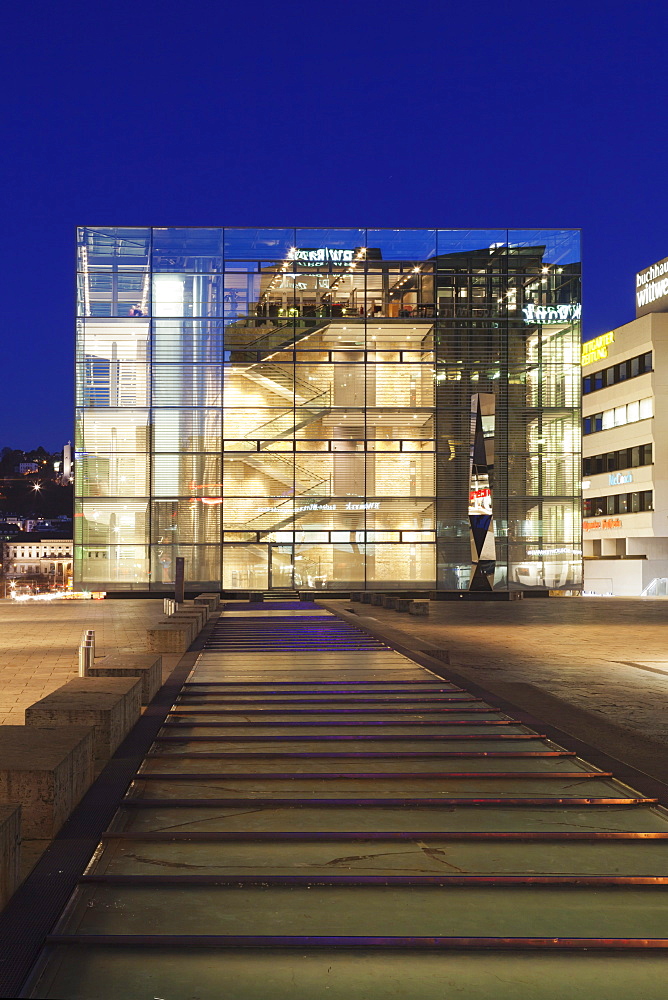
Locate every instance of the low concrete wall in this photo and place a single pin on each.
(182, 621)
(211, 601)
(169, 638)
(47, 770)
(198, 612)
(110, 705)
(146, 666)
(10, 850)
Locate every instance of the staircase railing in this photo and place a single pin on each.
(657, 588)
(274, 340)
(293, 419)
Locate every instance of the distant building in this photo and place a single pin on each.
(47, 561)
(625, 453)
(25, 468)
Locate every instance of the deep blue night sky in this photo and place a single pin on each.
(354, 113)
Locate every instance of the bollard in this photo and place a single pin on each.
(86, 652)
(89, 637)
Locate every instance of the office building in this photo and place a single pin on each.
(328, 409)
(625, 455)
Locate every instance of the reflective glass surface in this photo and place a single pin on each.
(323, 408)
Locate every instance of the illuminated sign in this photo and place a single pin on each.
(618, 478)
(652, 288)
(597, 349)
(542, 315)
(324, 255)
(554, 552)
(605, 525)
(370, 505)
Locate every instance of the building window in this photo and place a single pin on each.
(618, 416)
(639, 365)
(619, 503)
(616, 461)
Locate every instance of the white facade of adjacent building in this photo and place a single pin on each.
(50, 557)
(625, 454)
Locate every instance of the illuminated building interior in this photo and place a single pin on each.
(328, 409)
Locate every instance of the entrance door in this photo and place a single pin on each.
(281, 574)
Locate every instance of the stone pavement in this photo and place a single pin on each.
(596, 668)
(39, 644)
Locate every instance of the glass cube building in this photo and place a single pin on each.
(328, 409)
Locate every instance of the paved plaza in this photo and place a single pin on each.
(39, 643)
(596, 668)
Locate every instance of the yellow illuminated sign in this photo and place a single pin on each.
(597, 349)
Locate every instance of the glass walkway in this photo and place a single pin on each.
(321, 817)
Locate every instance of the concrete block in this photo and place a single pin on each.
(355, 595)
(197, 611)
(418, 608)
(365, 597)
(184, 617)
(111, 705)
(146, 666)
(192, 624)
(10, 850)
(402, 603)
(195, 619)
(389, 601)
(209, 596)
(210, 601)
(169, 638)
(377, 599)
(46, 770)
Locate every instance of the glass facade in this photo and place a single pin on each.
(328, 409)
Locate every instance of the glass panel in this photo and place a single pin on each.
(186, 475)
(104, 248)
(186, 430)
(281, 566)
(245, 567)
(259, 244)
(185, 249)
(401, 244)
(189, 341)
(113, 293)
(187, 385)
(202, 563)
(109, 431)
(102, 383)
(112, 475)
(187, 295)
(107, 522)
(175, 522)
